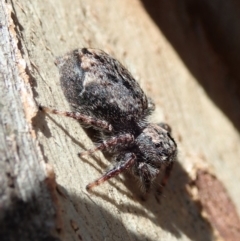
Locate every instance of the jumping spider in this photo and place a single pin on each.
(104, 95)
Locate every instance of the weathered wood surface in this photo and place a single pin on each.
(192, 86)
(27, 211)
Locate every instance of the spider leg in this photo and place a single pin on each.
(83, 119)
(165, 126)
(164, 181)
(123, 165)
(147, 174)
(116, 141)
(145, 177)
(151, 105)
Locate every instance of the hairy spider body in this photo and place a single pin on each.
(103, 94)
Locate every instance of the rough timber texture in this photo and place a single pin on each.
(26, 203)
(189, 75)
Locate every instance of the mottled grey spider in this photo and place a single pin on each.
(104, 95)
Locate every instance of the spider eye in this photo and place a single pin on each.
(86, 51)
(157, 145)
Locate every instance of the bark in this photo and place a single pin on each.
(27, 209)
(173, 52)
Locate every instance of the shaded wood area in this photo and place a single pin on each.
(184, 60)
(27, 211)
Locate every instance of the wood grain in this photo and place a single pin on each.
(130, 32)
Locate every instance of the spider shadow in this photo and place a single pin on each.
(39, 123)
(92, 221)
(175, 213)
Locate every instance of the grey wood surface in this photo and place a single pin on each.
(34, 145)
